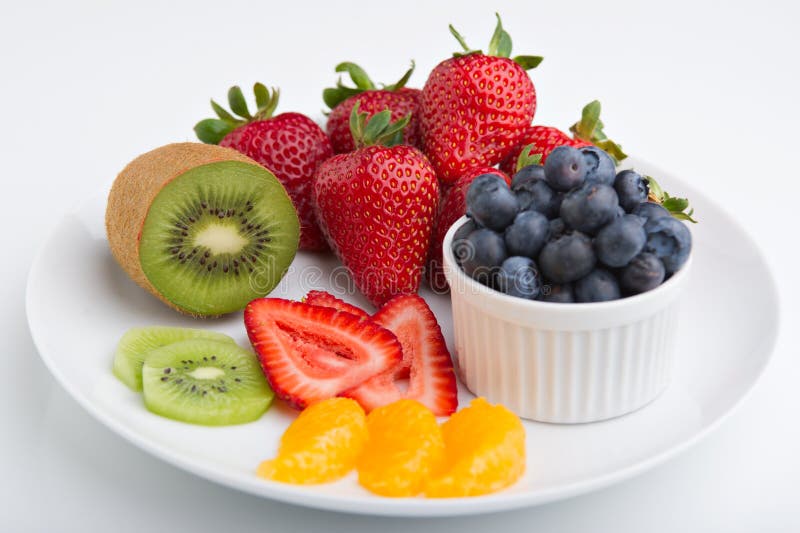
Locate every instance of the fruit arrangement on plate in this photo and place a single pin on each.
(211, 228)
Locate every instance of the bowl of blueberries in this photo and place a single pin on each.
(565, 287)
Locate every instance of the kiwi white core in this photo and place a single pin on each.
(206, 372)
(221, 239)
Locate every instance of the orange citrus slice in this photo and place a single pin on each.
(484, 452)
(405, 446)
(321, 445)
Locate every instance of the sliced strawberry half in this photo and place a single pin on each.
(311, 353)
(326, 299)
(426, 361)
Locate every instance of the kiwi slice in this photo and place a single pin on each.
(202, 227)
(136, 343)
(203, 381)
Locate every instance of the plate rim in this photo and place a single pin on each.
(418, 507)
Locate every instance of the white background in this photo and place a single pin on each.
(708, 90)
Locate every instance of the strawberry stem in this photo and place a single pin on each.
(677, 207)
(590, 129)
(499, 46)
(213, 130)
(333, 96)
(376, 130)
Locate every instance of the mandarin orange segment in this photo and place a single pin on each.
(321, 445)
(405, 446)
(484, 452)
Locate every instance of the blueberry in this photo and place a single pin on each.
(644, 273)
(519, 277)
(619, 212)
(527, 234)
(536, 195)
(565, 168)
(589, 208)
(557, 293)
(557, 228)
(490, 202)
(597, 286)
(631, 189)
(567, 258)
(528, 174)
(670, 240)
(620, 241)
(482, 252)
(600, 168)
(650, 210)
(460, 247)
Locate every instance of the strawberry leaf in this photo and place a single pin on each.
(526, 158)
(399, 84)
(222, 113)
(527, 62)
(237, 102)
(590, 129)
(357, 74)
(212, 130)
(677, 207)
(262, 95)
(378, 129)
(462, 42)
(500, 44)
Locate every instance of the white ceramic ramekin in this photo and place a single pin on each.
(563, 363)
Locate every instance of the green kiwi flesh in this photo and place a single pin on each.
(206, 382)
(136, 343)
(218, 236)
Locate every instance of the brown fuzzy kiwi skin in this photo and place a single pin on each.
(136, 187)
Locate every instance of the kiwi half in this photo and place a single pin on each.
(136, 343)
(203, 381)
(202, 227)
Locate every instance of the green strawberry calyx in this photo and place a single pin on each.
(526, 158)
(213, 130)
(333, 96)
(590, 129)
(499, 46)
(677, 207)
(377, 129)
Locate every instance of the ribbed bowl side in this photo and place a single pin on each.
(563, 376)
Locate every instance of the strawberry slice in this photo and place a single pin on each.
(326, 299)
(310, 353)
(426, 361)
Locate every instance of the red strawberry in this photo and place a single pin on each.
(326, 299)
(426, 360)
(310, 353)
(397, 98)
(452, 207)
(376, 207)
(545, 139)
(290, 145)
(475, 107)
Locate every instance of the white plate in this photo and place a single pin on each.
(79, 302)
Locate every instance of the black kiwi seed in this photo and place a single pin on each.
(165, 378)
(167, 370)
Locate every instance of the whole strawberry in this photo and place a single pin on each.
(452, 207)
(544, 139)
(290, 145)
(397, 98)
(475, 107)
(376, 207)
